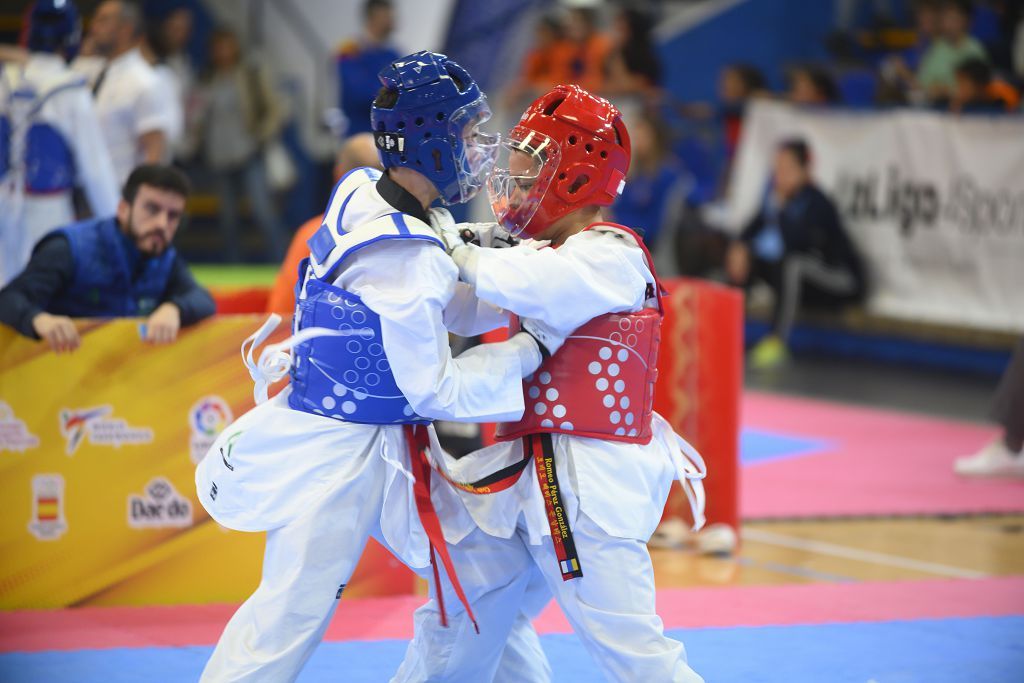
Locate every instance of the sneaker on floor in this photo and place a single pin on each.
(994, 460)
(716, 539)
(770, 352)
(673, 533)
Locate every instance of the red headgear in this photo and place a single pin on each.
(580, 149)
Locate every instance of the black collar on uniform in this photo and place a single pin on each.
(400, 198)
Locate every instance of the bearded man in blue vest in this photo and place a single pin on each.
(121, 266)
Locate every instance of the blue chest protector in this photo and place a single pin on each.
(347, 376)
(105, 284)
(48, 158)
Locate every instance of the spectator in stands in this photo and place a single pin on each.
(633, 67)
(1005, 455)
(547, 64)
(175, 31)
(737, 84)
(1017, 51)
(977, 92)
(813, 86)
(238, 116)
(154, 51)
(360, 60)
(928, 28)
(356, 152)
(936, 75)
(897, 69)
(115, 266)
(797, 245)
(590, 48)
(127, 90)
(657, 184)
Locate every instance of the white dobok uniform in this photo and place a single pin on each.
(51, 141)
(614, 494)
(320, 486)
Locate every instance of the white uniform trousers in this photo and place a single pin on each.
(611, 608)
(305, 564)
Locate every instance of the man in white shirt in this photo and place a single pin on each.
(50, 139)
(127, 90)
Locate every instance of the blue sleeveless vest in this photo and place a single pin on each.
(102, 286)
(348, 377)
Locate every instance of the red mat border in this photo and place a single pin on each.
(391, 617)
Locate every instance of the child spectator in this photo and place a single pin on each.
(977, 92)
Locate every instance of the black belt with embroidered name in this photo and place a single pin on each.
(538, 448)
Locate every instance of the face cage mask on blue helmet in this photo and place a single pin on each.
(433, 127)
(476, 152)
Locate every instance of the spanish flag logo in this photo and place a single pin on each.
(47, 523)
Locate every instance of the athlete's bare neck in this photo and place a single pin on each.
(570, 224)
(414, 183)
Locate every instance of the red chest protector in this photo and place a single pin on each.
(600, 384)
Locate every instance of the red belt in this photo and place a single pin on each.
(538, 448)
(418, 439)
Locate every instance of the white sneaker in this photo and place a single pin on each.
(714, 539)
(717, 539)
(994, 460)
(673, 533)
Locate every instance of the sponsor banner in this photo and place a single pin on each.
(935, 203)
(99, 491)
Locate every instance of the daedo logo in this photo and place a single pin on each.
(101, 430)
(207, 419)
(160, 506)
(14, 433)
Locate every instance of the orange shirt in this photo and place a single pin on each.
(547, 66)
(282, 294)
(1003, 91)
(588, 62)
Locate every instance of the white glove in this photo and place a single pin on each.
(529, 351)
(444, 226)
(548, 337)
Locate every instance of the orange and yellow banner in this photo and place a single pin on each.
(97, 454)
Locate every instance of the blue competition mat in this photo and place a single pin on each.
(757, 446)
(974, 650)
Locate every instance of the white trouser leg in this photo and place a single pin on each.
(523, 660)
(275, 631)
(495, 574)
(611, 607)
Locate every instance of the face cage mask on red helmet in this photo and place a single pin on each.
(527, 164)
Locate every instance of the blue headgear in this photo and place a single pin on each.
(432, 127)
(54, 26)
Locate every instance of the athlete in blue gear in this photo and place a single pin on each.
(344, 452)
(50, 138)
